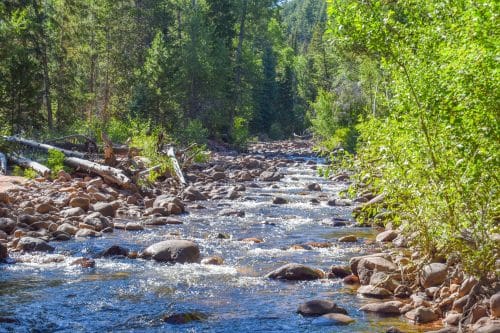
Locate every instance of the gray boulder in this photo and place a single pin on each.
(177, 251)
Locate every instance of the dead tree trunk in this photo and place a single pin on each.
(42, 146)
(40, 169)
(177, 168)
(3, 164)
(113, 175)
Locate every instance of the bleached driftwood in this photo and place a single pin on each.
(175, 164)
(113, 175)
(27, 163)
(42, 146)
(3, 164)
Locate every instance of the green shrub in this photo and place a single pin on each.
(240, 132)
(276, 132)
(194, 132)
(55, 161)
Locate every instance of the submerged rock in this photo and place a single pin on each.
(114, 250)
(296, 272)
(178, 251)
(184, 318)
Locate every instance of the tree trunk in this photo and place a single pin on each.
(3, 164)
(177, 168)
(42, 146)
(111, 174)
(42, 48)
(239, 56)
(27, 163)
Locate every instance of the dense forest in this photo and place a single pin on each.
(410, 87)
(197, 68)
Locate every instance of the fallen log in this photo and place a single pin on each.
(113, 175)
(27, 163)
(175, 164)
(42, 146)
(3, 164)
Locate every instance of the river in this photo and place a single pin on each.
(45, 293)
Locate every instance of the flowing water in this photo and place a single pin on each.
(125, 295)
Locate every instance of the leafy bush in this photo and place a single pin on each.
(20, 172)
(276, 132)
(240, 133)
(194, 132)
(435, 153)
(55, 161)
(148, 141)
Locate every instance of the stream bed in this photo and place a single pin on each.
(48, 294)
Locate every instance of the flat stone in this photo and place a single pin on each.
(69, 212)
(319, 307)
(81, 202)
(133, 226)
(348, 239)
(333, 319)
(83, 233)
(375, 292)
(296, 272)
(386, 236)
(385, 308)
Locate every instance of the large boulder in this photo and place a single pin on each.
(30, 244)
(433, 274)
(319, 307)
(104, 208)
(296, 272)
(178, 251)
